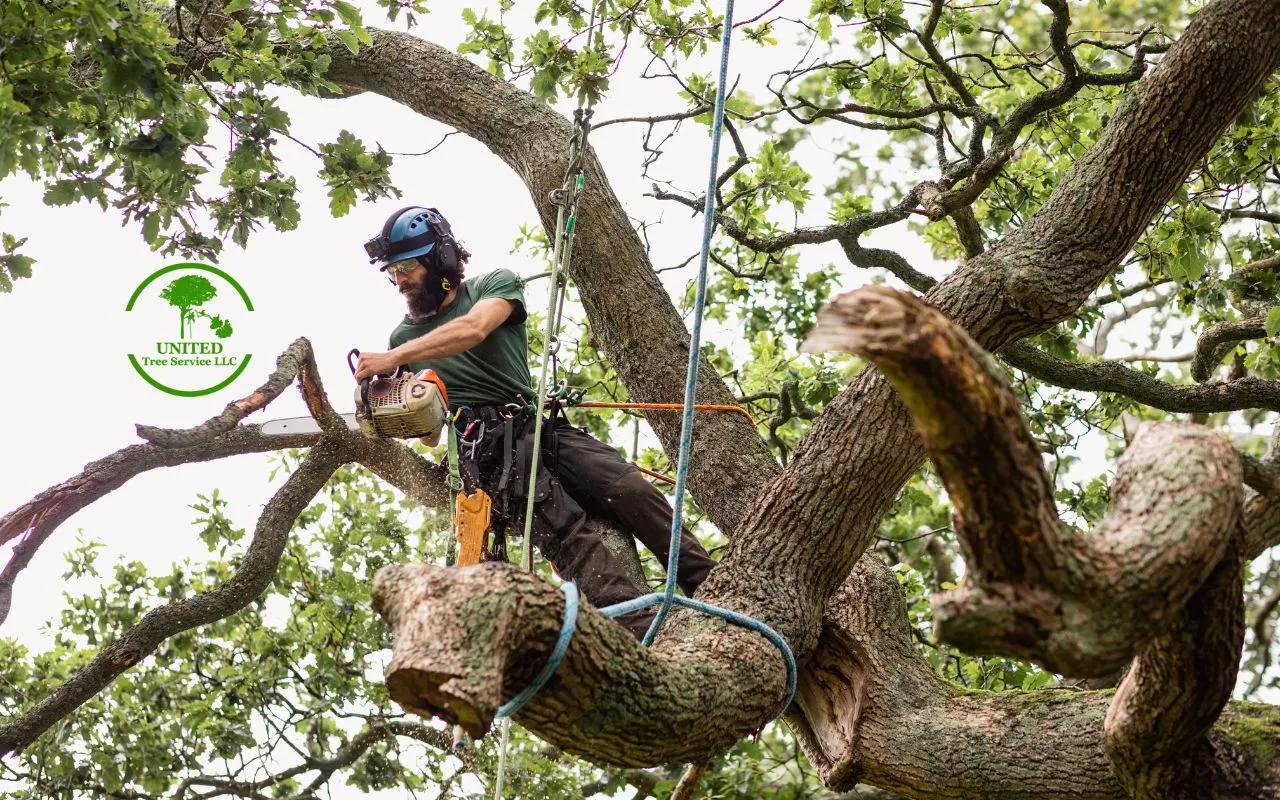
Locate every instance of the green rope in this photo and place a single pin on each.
(455, 486)
(562, 254)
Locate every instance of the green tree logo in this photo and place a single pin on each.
(188, 293)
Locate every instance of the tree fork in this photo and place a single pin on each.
(870, 708)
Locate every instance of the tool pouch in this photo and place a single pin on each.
(470, 524)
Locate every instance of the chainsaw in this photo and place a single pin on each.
(408, 405)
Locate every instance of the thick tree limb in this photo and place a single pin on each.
(250, 579)
(1176, 688)
(1035, 589)
(467, 639)
(1261, 524)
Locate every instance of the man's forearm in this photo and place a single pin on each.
(446, 341)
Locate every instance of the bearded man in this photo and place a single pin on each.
(471, 332)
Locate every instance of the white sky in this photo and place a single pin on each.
(71, 396)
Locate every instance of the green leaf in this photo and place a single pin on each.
(237, 5)
(1273, 322)
(62, 193)
(350, 14)
(151, 227)
(349, 39)
(824, 28)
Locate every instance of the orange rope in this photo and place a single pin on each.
(666, 407)
(657, 475)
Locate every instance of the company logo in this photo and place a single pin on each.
(186, 317)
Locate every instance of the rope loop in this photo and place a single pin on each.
(567, 626)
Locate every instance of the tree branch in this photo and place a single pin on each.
(38, 518)
(1177, 687)
(297, 360)
(1116, 377)
(250, 579)
(467, 639)
(1218, 340)
(869, 708)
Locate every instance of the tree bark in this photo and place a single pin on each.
(870, 709)
(1037, 589)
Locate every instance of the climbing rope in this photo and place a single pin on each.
(567, 627)
(668, 597)
(699, 303)
(566, 200)
(565, 225)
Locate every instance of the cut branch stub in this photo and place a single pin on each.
(467, 639)
(1076, 604)
(968, 420)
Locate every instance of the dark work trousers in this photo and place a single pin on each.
(580, 477)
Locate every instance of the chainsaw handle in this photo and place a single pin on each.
(364, 384)
(355, 354)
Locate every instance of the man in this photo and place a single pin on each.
(471, 331)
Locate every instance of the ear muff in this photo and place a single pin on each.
(446, 253)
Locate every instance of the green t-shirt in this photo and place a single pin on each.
(494, 372)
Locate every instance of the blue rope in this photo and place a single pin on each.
(699, 302)
(618, 609)
(668, 597)
(557, 653)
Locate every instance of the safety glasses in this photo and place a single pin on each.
(407, 266)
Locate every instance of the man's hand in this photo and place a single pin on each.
(371, 364)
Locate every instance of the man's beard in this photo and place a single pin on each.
(425, 299)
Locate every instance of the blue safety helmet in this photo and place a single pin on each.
(414, 232)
